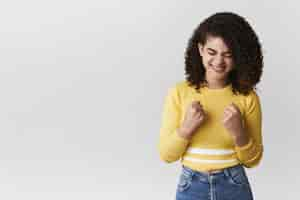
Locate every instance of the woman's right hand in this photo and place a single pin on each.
(193, 118)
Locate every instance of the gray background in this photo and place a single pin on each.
(82, 85)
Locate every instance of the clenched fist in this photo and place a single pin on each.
(232, 119)
(193, 118)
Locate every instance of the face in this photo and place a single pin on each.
(217, 60)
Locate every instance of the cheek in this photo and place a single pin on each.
(206, 60)
(229, 63)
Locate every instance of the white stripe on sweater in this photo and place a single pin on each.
(210, 151)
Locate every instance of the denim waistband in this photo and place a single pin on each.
(227, 171)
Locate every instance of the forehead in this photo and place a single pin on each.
(216, 43)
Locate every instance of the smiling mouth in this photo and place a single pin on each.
(218, 69)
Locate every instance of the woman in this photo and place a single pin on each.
(212, 120)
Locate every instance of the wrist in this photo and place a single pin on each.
(241, 139)
(183, 132)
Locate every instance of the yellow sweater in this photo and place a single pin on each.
(211, 147)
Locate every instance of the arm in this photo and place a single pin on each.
(251, 151)
(171, 144)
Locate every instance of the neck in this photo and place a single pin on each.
(216, 84)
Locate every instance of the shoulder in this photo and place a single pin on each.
(179, 90)
(252, 98)
(251, 101)
(181, 86)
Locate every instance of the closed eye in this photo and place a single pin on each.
(213, 52)
(228, 55)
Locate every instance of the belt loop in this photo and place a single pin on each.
(227, 172)
(188, 170)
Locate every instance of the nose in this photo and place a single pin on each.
(218, 61)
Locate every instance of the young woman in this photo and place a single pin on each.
(212, 121)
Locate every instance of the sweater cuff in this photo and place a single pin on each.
(174, 147)
(246, 146)
(246, 152)
(178, 140)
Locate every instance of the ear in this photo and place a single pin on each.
(200, 47)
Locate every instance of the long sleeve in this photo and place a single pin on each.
(171, 145)
(251, 153)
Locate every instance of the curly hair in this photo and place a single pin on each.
(240, 38)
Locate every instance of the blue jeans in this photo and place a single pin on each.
(229, 184)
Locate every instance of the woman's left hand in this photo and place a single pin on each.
(232, 121)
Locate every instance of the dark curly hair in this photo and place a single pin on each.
(240, 38)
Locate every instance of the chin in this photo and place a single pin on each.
(217, 77)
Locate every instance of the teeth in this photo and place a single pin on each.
(218, 69)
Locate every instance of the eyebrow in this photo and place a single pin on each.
(216, 51)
